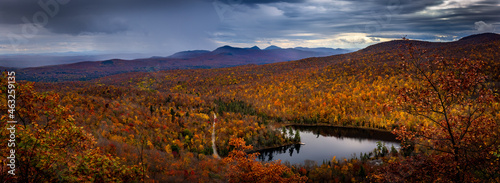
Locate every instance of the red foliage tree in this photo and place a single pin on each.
(458, 130)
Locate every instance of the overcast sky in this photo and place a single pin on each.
(162, 27)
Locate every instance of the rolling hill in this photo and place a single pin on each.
(225, 56)
(168, 113)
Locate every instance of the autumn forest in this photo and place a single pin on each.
(441, 100)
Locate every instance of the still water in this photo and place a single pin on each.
(322, 143)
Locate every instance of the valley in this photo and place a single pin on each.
(151, 120)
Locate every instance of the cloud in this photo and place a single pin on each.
(166, 26)
(431, 20)
(484, 27)
(89, 24)
(88, 16)
(159, 27)
(255, 2)
(358, 41)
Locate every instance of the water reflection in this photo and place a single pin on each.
(347, 132)
(268, 155)
(322, 143)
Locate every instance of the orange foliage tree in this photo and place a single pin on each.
(243, 167)
(50, 147)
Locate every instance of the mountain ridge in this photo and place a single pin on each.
(224, 56)
(227, 56)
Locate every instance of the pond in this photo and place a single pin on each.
(323, 143)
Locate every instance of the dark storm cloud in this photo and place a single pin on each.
(451, 21)
(88, 24)
(153, 27)
(397, 15)
(253, 2)
(396, 6)
(83, 16)
(176, 25)
(99, 16)
(111, 16)
(369, 7)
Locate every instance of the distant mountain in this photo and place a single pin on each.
(255, 55)
(189, 54)
(228, 56)
(224, 56)
(274, 52)
(255, 48)
(272, 47)
(229, 50)
(328, 51)
(39, 60)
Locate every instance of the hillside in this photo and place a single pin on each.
(316, 89)
(160, 122)
(225, 56)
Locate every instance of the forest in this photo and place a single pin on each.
(440, 99)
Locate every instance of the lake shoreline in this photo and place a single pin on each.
(327, 141)
(311, 125)
(273, 147)
(330, 125)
